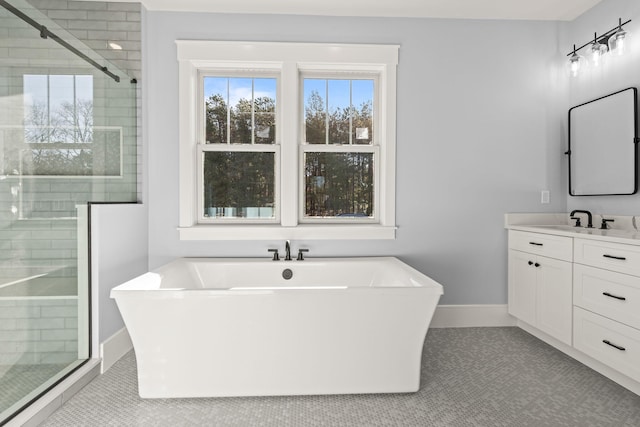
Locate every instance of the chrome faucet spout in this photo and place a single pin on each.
(287, 249)
(589, 219)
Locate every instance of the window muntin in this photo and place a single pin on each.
(239, 158)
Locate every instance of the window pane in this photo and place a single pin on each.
(339, 185)
(216, 109)
(339, 111)
(240, 100)
(239, 184)
(315, 111)
(362, 102)
(341, 107)
(265, 110)
(58, 125)
(240, 110)
(59, 108)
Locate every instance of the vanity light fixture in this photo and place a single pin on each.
(614, 41)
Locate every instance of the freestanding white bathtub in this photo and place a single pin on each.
(206, 327)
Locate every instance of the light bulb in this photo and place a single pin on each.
(617, 43)
(597, 51)
(576, 64)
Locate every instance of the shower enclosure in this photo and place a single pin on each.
(68, 136)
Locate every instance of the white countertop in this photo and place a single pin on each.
(553, 224)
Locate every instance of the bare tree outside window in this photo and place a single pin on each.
(60, 137)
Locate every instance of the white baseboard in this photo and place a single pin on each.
(476, 315)
(113, 348)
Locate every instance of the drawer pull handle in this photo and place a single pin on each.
(621, 258)
(535, 244)
(536, 265)
(530, 263)
(614, 296)
(607, 342)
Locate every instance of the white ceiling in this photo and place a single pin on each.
(553, 10)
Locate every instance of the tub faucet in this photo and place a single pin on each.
(589, 222)
(287, 249)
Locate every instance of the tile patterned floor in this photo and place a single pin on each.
(470, 377)
(18, 381)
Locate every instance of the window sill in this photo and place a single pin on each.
(277, 232)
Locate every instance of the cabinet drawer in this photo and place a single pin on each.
(557, 247)
(612, 256)
(610, 294)
(612, 343)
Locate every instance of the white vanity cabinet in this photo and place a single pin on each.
(606, 289)
(540, 282)
(578, 289)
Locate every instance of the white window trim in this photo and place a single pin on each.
(290, 59)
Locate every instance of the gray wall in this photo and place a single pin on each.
(479, 113)
(616, 75)
(119, 253)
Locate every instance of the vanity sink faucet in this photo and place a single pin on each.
(589, 219)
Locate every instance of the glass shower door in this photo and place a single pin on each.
(67, 137)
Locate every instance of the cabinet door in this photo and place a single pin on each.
(554, 298)
(522, 286)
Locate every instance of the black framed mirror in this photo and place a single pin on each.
(603, 145)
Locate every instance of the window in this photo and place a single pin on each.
(59, 137)
(239, 154)
(287, 140)
(339, 155)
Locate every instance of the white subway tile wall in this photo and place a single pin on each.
(42, 330)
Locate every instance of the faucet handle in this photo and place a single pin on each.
(577, 219)
(276, 257)
(604, 225)
(300, 256)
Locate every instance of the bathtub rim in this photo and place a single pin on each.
(132, 287)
